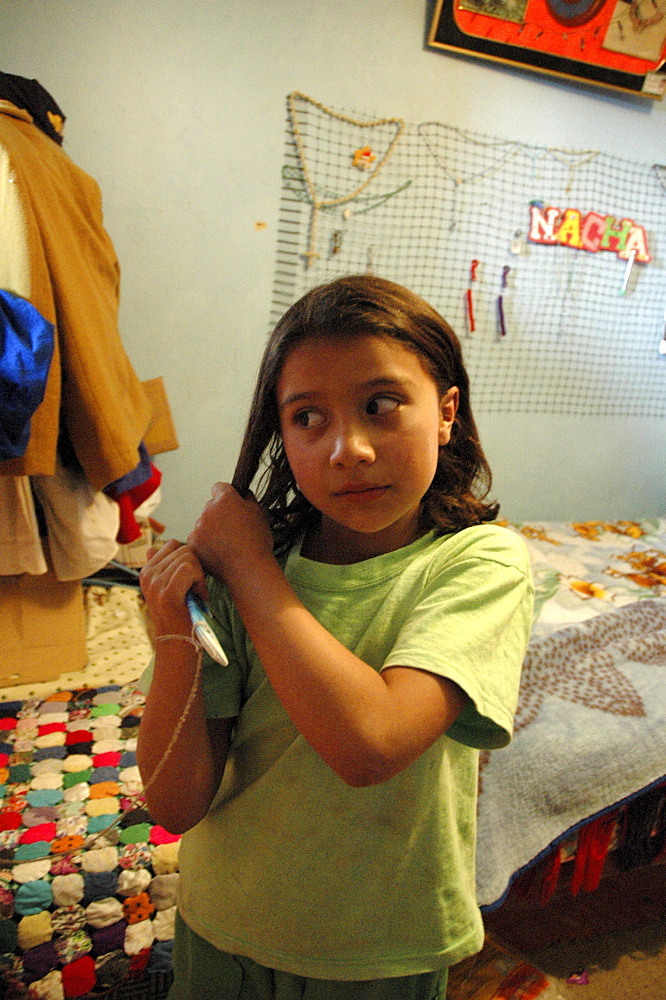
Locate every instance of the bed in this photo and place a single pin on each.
(572, 817)
(575, 801)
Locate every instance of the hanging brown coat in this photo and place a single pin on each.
(74, 283)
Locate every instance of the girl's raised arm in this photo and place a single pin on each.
(367, 726)
(182, 781)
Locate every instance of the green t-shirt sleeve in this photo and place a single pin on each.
(471, 624)
(223, 686)
(479, 731)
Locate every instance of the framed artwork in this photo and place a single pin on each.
(619, 44)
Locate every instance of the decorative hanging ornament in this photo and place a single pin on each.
(517, 243)
(336, 242)
(470, 298)
(363, 158)
(627, 272)
(500, 302)
(317, 201)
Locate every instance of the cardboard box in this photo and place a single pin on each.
(42, 628)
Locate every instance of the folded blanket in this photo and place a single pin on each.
(590, 734)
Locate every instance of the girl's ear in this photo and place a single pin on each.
(448, 407)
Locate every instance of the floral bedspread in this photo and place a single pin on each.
(586, 569)
(590, 729)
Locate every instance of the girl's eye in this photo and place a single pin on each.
(308, 418)
(380, 405)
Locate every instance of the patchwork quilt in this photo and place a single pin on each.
(87, 880)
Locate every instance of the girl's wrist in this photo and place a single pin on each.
(177, 637)
(180, 625)
(253, 575)
(176, 656)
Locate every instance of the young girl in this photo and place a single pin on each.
(375, 626)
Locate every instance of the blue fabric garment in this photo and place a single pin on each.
(26, 350)
(139, 475)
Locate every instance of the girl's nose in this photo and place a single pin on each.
(351, 445)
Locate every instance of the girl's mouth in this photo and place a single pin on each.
(360, 493)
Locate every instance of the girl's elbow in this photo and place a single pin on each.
(177, 813)
(367, 770)
(178, 826)
(174, 820)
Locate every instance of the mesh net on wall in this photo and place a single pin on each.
(555, 328)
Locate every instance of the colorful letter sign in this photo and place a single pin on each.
(592, 232)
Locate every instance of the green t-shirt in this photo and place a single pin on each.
(303, 873)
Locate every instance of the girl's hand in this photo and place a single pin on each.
(231, 533)
(165, 580)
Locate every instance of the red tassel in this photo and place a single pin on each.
(593, 843)
(470, 310)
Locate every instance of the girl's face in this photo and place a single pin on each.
(362, 422)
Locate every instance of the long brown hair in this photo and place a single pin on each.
(347, 307)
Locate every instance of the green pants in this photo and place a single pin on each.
(204, 973)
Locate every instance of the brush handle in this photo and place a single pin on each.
(202, 630)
